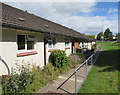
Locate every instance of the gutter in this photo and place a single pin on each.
(36, 30)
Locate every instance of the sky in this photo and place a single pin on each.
(88, 18)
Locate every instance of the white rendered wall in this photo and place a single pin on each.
(9, 49)
(89, 45)
(59, 45)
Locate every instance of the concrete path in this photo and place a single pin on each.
(69, 86)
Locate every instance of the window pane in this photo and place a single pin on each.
(30, 45)
(50, 44)
(21, 42)
(66, 42)
(54, 42)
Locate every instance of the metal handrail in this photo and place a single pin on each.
(78, 68)
(5, 65)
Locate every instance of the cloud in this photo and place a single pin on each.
(64, 13)
(90, 25)
(111, 10)
(48, 0)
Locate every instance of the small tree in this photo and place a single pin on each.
(108, 34)
(99, 36)
(118, 36)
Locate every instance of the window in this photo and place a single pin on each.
(25, 42)
(51, 43)
(67, 42)
(21, 42)
(30, 45)
(54, 42)
(82, 45)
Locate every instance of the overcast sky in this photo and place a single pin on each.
(89, 18)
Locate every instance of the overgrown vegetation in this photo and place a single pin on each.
(30, 78)
(59, 58)
(19, 79)
(75, 59)
(103, 77)
(0, 85)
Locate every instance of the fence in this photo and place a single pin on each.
(89, 62)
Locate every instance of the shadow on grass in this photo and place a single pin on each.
(109, 60)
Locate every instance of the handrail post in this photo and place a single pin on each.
(91, 59)
(75, 84)
(86, 66)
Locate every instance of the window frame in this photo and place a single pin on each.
(18, 45)
(67, 45)
(25, 50)
(52, 45)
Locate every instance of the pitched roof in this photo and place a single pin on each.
(17, 18)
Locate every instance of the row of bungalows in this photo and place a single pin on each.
(26, 37)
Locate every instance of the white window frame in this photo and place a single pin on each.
(25, 50)
(67, 45)
(52, 46)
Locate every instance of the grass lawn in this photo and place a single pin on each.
(0, 89)
(103, 77)
(0, 86)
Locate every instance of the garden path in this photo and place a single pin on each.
(69, 85)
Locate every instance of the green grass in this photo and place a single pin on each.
(103, 78)
(0, 86)
(0, 89)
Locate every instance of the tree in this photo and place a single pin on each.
(91, 36)
(99, 36)
(108, 34)
(118, 36)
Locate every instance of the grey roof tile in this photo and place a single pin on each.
(15, 17)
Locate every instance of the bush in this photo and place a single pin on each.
(58, 58)
(64, 69)
(40, 79)
(51, 70)
(19, 79)
(81, 55)
(74, 60)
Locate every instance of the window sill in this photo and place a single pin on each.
(26, 54)
(67, 48)
(53, 50)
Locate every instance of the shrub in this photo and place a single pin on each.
(51, 70)
(58, 58)
(18, 80)
(74, 60)
(40, 79)
(81, 55)
(64, 69)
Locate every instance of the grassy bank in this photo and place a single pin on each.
(103, 77)
(0, 89)
(0, 86)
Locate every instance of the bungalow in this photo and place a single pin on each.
(26, 37)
